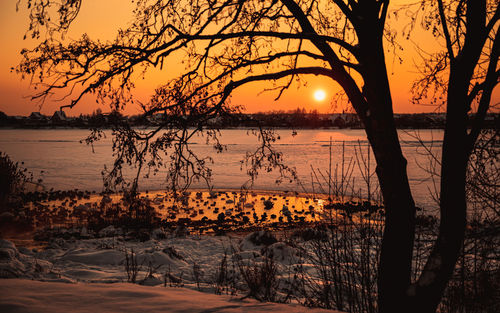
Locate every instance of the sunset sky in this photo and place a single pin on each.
(100, 19)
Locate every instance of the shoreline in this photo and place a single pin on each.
(81, 214)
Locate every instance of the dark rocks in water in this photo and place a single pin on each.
(268, 204)
(263, 217)
(220, 232)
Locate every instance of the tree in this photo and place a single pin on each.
(227, 44)
(466, 72)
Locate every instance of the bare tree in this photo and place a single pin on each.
(230, 43)
(466, 72)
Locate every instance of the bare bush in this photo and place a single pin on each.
(132, 267)
(260, 278)
(197, 274)
(344, 266)
(224, 279)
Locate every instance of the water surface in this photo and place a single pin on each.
(58, 157)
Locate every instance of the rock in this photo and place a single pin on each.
(268, 204)
(158, 200)
(106, 199)
(79, 209)
(286, 211)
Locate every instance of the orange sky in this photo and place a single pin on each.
(100, 19)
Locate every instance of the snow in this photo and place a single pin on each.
(21, 295)
(81, 275)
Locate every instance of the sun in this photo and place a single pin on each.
(319, 95)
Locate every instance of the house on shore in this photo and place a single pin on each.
(59, 118)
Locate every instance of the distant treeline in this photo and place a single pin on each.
(298, 118)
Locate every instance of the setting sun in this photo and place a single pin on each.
(319, 95)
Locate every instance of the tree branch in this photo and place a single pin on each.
(444, 23)
(487, 86)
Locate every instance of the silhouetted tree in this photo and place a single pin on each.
(227, 44)
(461, 78)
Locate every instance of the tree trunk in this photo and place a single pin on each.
(399, 232)
(429, 289)
(397, 243)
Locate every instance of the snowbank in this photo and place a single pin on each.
(90, 274)
(20, 295)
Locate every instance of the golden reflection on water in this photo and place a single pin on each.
(202, 211)
(259, 207)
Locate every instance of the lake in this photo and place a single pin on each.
(58, 157)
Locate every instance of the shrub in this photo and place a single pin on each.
(261, 278)
(132, 267)
(12, 176)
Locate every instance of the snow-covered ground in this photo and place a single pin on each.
(104, 259)
(85, 275)
(21, 295)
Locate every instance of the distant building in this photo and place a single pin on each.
(217, 120)
(342, 120)
(59, 116)
(3, 116)
(37, 116)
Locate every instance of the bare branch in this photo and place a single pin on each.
(449, 45)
